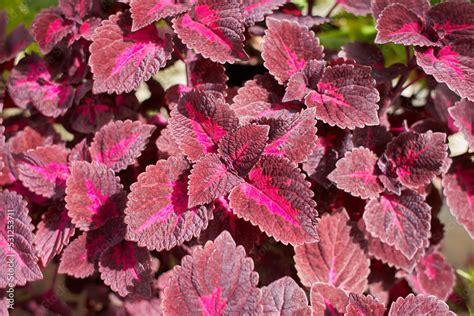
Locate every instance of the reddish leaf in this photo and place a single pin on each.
(463, 114)
(139, 307)
(336, 259)
(346, 97)
(207, 75)
(326, 299)
(287, 48)
(93, 195)
(277, 199)
(44, 170)
(214, 29)
(53, 233)
(452, 64)
(419, 305)
(49, 28)
(361, 305)
(167, 144)
(76, 10)
(255, 10)
(157, 214)
(416, 158)
(216, 280)
(355, 174)
(417, 6)
(126, 268)
(119, 143)
(433, 276)
(15, 42)
(357, 7)
(121, 59)
(374, 138)
(401, 221)
(16, 251)
(284, 297)
(28, 138)
(304, 80)
(459, 192)
(209, 180)
(400, 25)
(145, 12)
(452, 20)
(199, 121)
(243, 147)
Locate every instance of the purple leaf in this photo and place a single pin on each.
(417, 6)
(374, 138)
(362, 305)
(303, 81)
(15, 42)
(49, 28)
(76, 10)
(356, 7)
(255, 10)
(463, 114)
(452, 20)
(419, 305)
(284, 297)
(145, 12)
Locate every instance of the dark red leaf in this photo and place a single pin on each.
(126, 268)
(93, 195)
(53, 233)
(284, 297)
(374, 138)
(243, 147)
(44, 170)
(277, 198)
(417, 6)
(346, 97)
(303, 81)
(209, 180)
(287, 48)
(463, 114)
(49, 28)
(199, 121)
(207, 75)
(214, 29)
(326, 299)
(157, 214)
(401, 221)
(216, 280)
(336, 259)
(356, 174)
(362, 305)
(121, 59)
(16, 234)
(357, 7)
(453, 20)
(119, 143)
(419, 305)
(145, 12)
(15, 42)
(255, 10)
(76, 10)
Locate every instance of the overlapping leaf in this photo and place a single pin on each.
(327, 299)
(418, 6)
(452, 20)
(364, 305)
(284, 297)
(304, 80)
(277, 198)
(357, 7)
(76, 10)
(145, 12)
(218, 279)
(49, 28)
(374, 138)
(13, 43)
(401, 221)
(419, 305)
(121, 59)
(336, 259)
(463, 114)
(255, 10)
(287, 48)
(119, 143)
(157, 214)
(214, 29)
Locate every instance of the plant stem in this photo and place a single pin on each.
(334, 6)
(420, 76)
(310, 7)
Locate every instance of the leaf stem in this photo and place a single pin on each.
(310, 7)
(334, 6)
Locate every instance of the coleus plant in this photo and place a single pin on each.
(300, 180)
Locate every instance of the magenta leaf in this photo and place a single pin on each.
(121, 59)
(417, 6)
(401, 221)
(49, 28)
(166, 143)
(433, 276)
(346, 97)
(16, 249)
(218, 279)
(255, 10)
(209, 180)
(419, 305)
(44, 170)
(336, 259)
(93, 195)
(364, 305)
(452, 20)
(199, 121)
(206, 74)
(214, 29)
(301, 83)
(463, 114)
(126, 268)
(452, 64)
(326, 299)
(284, 297)
(243, 147)
(459, 192)
(53, 233)
(145, 12)
(416, 158)
(287, 47)
(291, 135)
(357, 7)
(31, 82)
(76, 10)
(157, 214)
(119, 143)
(400, 25)
(277, 198)
(355, 174)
